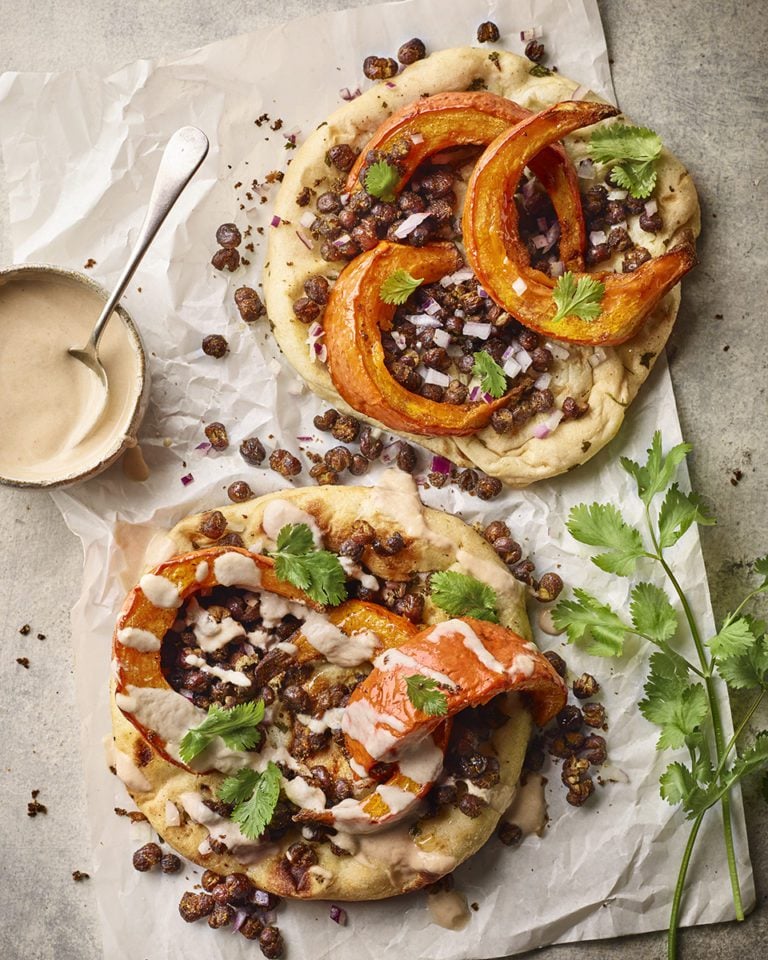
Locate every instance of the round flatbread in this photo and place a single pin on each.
(608, 386)
(370, 866)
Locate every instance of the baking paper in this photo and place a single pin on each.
(80, 151)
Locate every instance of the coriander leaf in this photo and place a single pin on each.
(237, 726)
(652, 613)
(399, 286)
(238, 787)
(761, 567)
(591, 624)
(677, 783)
(577, 298)
(678, 512)
(601, 525)
(463, 596)
(748, 670)
(666, 681)
(735, 637)
(381, 178)
(678, 718)
(659, 470)
(426, 695)
(632, 153)
(253, 814)
(317, 572)
(751, 760)
(493, 380)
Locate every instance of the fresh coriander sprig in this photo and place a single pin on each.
(577, 298)
(493, 380)
(681, 697)
(632, 153)
(463, 596)
(380, 180)
(398, 286)
(317, 572)
(425, 694)
(255, 795)
(237, 726)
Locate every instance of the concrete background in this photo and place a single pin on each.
(700, 63)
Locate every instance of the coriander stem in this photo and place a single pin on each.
(738, 732)
(674, 916)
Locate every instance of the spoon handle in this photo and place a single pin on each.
(183, 154)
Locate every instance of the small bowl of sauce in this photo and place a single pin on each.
(46, 395)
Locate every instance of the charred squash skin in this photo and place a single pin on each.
(499, 258)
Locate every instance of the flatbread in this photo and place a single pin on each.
(387, 863)
(522, 458)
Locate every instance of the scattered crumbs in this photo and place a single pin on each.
(718, 316)
(475, 905)
(78, 876)
(726, 348)
(41, 636)
(23, 661)
(34, 806)
(262, 119)
(585, 445)
(229, 166)
(250, 247)
(645, 360)
(25, 629)
(238, 185)
(736, 478)
(35, 794)
(714, 216)
(494, 58)
(274, 176)
(276, 125)
(121, 812)
(138, 289)
(245, 263)
(242, 206)
(89, 263)
(260, 231)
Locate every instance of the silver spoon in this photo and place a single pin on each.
(183, 154)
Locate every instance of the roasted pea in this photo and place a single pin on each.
(147, 857)
(359, 465)
(213, 525)
(317, 289)
(380, 68)
(249, 304)
(509, 833)
(306, 310)
(345, 428)
(324, 421)
(342, 156)
(284, 463)
(170, 863)
(252, 451)
(534, 51)
(411, 51)
(227, 258)
(406, 457)
(215, 345)
(195, 906)
(487, 32)
(228, 235)
(217, 435)
(488, 487)
(239, 491)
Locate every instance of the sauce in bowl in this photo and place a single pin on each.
(45, 394)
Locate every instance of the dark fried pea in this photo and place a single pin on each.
(213, 525)
(411, 51)
(231, 540)
(209, 880)
(594, 749)
(365, 235)
(342, 789)
(345, 428)
(471, 806)
(523, 571)
(363, 532)
(651, 223)
(342, 156)
(572, 409)
(217, 435)
(306, 310)
(380, 68)
(195, 906)
(411, 606)
(410, 202)
(634, 259)
(239, 491)
(384, 214)
(455, 392)
(284, 463)
(227, 258)
(389, 546)
(437, 185)
(147, 857)
(467, 481)
(170, 863)
(442, 211)
(271, 942)
(431, 391)
(221, 916)
(487, 32)
(570, 718)
(541, 359)
(324, 421)
(252, 451)
(338, 459)
(575, 771)
(406, 457)
(619, 239)
(352, 548)
(488, 487)
(594, 202)
(438, 480)
(549, 588)
(534, 51)
(370, 446)
(420, 235)
(359, 465)
(503, 421)
(251, 927)
(249, 304)
(495, 530)
(322, 473)
(614, 212)
(329, 252)
(594, 715)
(360, 202)
(316, 288)
(542, 401)
(579, 795)
(297, 699)
(228, 235)
(406, 376)
(239, 887)
(509, 833)
(329, 202)
(529, 340)
(508, 549)
(566, 744)
(215, 345)
(237, 608)
(437, 358)
(597, 253)
(322, 777)
(490, 776)
(444, 794)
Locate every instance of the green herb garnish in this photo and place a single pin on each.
(256, 797)
(539, 70)
(577, 298)
(493, 380)
(463, 596)
(237, 726)
(380, 181)
(399, 286)
(425, 694)
(681, 694)
(632, 153)
(316, 572)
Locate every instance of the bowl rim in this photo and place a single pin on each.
(129, 435)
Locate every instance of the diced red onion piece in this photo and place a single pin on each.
(482, 292)
(275, 221)
(204, 446)
(510, 351)
(586, 169)
(557, 351)
(307, 219)
(187, 479)
(315, 330)
(421, 320)
(431, 307)
(399, 339)
(465, 273)
(391, 85)
(617, 194)
(580, 92)
(557, 268)
(305, 239)
(459, 313)
(519, 286)
(338, 915)
(597, 357)
(346, 94)
(474, 393)
(436, 377)
(532, 33)
(524, 359)
(553, 233)
(187, 693)
(417, 138)
(340, 241)
(344, 198)
(651, 207)
(597, 237)
(622, 225)
(409, 224)
(480, 330)
(512, 368)
(543, 381)
(554, 419)
(541, 431)
(441, 465)
(540, 241)
(528, 189)
(240, 917)
(441, 338)
(321, 351)
(487, 397)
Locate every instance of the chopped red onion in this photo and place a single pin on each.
(651, 207)
(338, 914)
(187, 479)
(532, 33)
(580, 92)
(474, 393)
(346, 94)
(597, 237)
(240, 918)
(187, 693)
(543, 381)
(487, 397)
(465, 273)
(420, 320)
(543, 224)
(528, 189)
(586, 169)
(540, 431)
(597, 357)
(391, 85)
(399, 339)
(275, 221)
(441, 465)
(511, 350)
(512, 368)
(307, 219)
(482, 292)
(344, 197)
(459, 313)
(480, 330)
(556, 268)
(305, 439)
(519, 286)
(417, 138)
(306, 240)
(315, 330)
(557, 351)
(554, 419)
(249, 649)
(409, 224)
(441, 338)
(617, 194)
(340, 241)
(204, 446)
(315, 333)
(524, 359)
(321, 352)
(436, 377)
(540, 242)
(622, 225)
(431, 306)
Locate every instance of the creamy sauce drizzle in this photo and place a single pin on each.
(448, 909)
(362, 722)
(138, 639)
(228, 676)
(236, 570)
(134, 465)
(393, 658)
(529, 807)
(225, 831)
(160, 591)
(129, 773)
(278, 513)
(46, 396)
(338, 647)
(397, 497)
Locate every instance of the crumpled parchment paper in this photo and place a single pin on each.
(80, 151)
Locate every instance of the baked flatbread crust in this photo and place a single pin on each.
(390, 862)
(519, 459)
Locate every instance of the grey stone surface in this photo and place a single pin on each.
(694, 69)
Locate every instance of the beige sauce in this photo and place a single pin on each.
(448, 909)
(134, 465)
(46, 395)
(529, 808)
